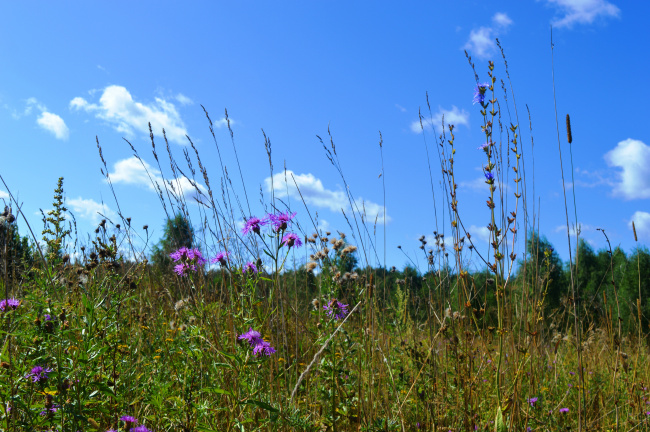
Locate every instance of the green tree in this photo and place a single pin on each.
(177, 233)
(16, 252)
(544, 271)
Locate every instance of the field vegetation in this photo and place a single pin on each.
(278, 326)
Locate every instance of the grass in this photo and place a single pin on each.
(97, 338)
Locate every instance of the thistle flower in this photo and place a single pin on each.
(253, 337)
(479, 93)
(129, 421)
(281, 221)
(221, 258)
(263, 348)
(335, 309)
(38, 374)
(250, 267)
(187, 259)
(291, 240)
(9, 303)
(253, 224)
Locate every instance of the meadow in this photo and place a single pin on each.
(279, 326)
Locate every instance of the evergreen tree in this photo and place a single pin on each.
(177, 233)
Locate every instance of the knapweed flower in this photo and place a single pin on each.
(489, 176)
(253, 337)
(260, 346)
(263, 348)
(564, 410)
(250, 267)
(281, 221)
(187, 259)
(532, 401)
(129, 421)
(38, 373)
(9, 303)
(221, 258)
(291, 240)
(335, 309)
(253, 224)
(479, 93)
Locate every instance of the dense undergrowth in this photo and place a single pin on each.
(223, 331)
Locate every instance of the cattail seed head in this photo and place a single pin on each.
(569, 137)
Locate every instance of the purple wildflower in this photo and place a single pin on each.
(281, 221)
(9, 303)
(221, 258)
(250, 267)
(564, 410)
(479, 93)
(38, 374)
(263, 348)
(51, 410)
(141, 428)
(532, 401)
(187, 259)
(253, 337)
(129, 420)
(49, 317)
(260, 346)
(291, 239)
(489, 176)
(253, 224)
(335, 309)
(485, 146)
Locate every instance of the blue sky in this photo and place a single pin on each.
(74, 71)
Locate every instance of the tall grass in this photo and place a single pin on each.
(272, 336)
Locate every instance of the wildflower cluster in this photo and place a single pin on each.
(280, 223)
(11, 303)
(260, 346)
(38, 374)
(335, 309)
(187, 259)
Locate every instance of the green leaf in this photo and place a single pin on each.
(499, 424)
(218, 391)
(260, 404)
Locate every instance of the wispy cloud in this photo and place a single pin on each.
(4, 195)
(453, 116)
(572, 229)
(46, 120)
(482, 232)
(314, 193)
(633, 157)
(582, 11)
(117, 107)
(183, 100)
(131, 171)
(90, 209)
(642, 224)
(481, 40)
(400, 107)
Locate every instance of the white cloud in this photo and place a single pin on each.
(502, 19)
(184, 100)
(54, 124)
(4, 195)
(642, 224)
(90, 209)
(48, 121)
(314, 193)
(132, 172)
(633, 157)
(117, 107)
(454, 116)
(482, 232)
(481, 40)
(572, 230)
(582, 11)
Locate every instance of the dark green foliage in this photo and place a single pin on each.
(177, 233)
(16, 252)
